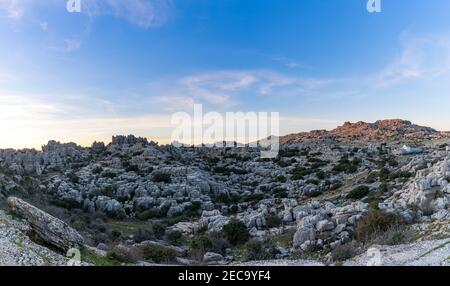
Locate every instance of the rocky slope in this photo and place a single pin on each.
(325, 199)
(17, 249)
(381, 130)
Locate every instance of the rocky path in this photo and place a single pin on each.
(16, 249)
(424, 253)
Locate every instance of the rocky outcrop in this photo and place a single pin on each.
(129, 140)
(16, 248)
(50, 229)
(381, 130)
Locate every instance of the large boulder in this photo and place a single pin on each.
(50, 229)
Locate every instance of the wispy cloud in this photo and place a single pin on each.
(142, 13)
(422, 57)
(28, 121)
(219, 86)
(13, 9)
(5, 77)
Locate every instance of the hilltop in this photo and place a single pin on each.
(330, 196)
(381, 130)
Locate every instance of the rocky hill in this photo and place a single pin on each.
(381, 130)
(331, 196)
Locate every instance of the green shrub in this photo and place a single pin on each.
(373, 223)
(343, 252)
(273, 221)
(358, 193)
(223, 198)
(158, 253)
(392, 162)
(132, 168)
(74, 179)
(257, 250)
(174, 236)
(346, 166)
(281, 179)
(122, 254)
(143, 234)
(193, 209)
(289, 153)
(109, 174)
(201, 243)
(161, 176)
(280, 192)
(149, 214)
(236, 232)
(312, 182)
(97, 170)
(314, 194)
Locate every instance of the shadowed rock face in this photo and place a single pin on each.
(52, 230)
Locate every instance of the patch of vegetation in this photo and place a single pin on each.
(122, 255)
(284, 239)
(236, 232)
(373, 223)
(280, 192)
(343, 252)
(281, 179)
(97, 170)
(299, 172)
(344, 165)
(213, 241)
(288, 153)
(91, 257)
(257, 250)
(109, 174)
(358, 193)
(161, 177)
(158, 253)
(273, 220)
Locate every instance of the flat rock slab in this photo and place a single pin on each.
(423, 253)
(16, 249)
(52, 230)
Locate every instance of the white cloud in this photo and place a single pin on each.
(6, 77)
(30, 122)
(422, 58)
(143, 13)
(43, 25)
(14, 9)
(219, 87)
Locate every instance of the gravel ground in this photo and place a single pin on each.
(424, 253)
(16, 249)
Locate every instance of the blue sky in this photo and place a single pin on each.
(126, 66)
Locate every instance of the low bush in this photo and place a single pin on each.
(174, 236)
(257, 250)
(161, 177)
(158, 253)
(373, 223)
(74, 179)
(346, 166)
(343, 252)
(143, 234)
(236, 232)
(358, 193)
(122, 254)
(273, 221)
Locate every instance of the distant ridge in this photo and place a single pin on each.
(381, 130)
